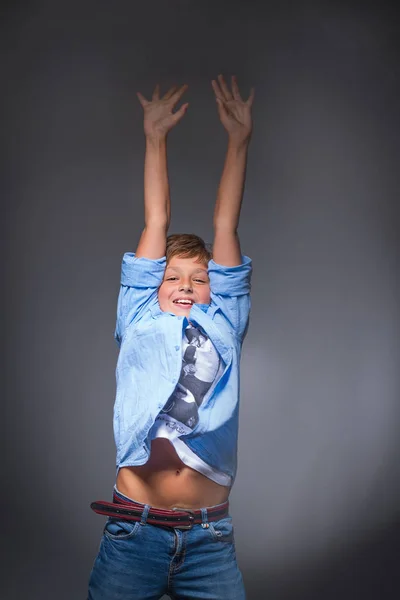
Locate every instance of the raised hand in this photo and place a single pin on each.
(234, 112)
(158, 116)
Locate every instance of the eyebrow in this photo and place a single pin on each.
(195, 271)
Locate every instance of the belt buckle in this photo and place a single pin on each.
(191, 517)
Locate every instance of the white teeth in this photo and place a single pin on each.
(182, 302)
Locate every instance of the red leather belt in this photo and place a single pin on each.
(180, 518)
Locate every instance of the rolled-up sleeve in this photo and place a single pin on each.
(230, 291)
(140, 280)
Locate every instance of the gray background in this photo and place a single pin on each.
(316, 498)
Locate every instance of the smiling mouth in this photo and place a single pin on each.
(184, 304)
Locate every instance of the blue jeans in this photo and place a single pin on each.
(139, 561)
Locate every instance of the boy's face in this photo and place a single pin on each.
(184, 278)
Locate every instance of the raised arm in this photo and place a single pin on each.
(158, 121)
(235, 115)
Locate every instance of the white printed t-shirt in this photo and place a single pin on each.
(200, 364)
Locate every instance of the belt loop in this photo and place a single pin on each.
(145, 513)
(204, 519)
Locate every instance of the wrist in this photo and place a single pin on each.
(238, 143)
(156, 140)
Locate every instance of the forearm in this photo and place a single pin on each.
(157, 209)
(231, 187)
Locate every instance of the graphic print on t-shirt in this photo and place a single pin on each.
(200, 364)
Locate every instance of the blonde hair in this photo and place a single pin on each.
(188, 245)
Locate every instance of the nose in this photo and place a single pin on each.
(185, 286)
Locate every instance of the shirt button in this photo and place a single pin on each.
(177, 347)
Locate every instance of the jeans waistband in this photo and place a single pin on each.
(179, 517)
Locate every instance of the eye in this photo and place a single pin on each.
(171, 278)
(200, 280)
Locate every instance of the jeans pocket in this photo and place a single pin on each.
(222, 530)
(120, 529)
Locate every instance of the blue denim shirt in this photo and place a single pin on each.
(150, 360)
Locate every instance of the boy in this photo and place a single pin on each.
(182, 316)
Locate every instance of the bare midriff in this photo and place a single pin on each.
(166, 482)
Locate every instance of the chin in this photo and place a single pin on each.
(180, 312)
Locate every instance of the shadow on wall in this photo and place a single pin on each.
(367, 569)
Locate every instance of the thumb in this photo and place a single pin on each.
(179, 113)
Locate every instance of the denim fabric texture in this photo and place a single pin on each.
(150, 360)
(139, 561)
